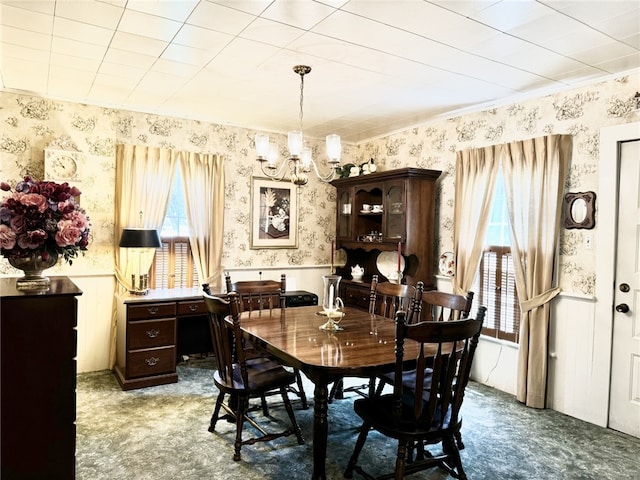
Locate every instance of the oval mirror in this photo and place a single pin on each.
(579, 210)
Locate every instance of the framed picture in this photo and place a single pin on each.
(274, 214)
(579, 210)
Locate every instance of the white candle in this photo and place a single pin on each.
(330, 297)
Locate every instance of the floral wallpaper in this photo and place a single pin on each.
(579, 112)
(29, 124)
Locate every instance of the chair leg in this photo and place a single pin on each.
(301, 393)
(362, 438)
(453, 464)
(400, 460)
(337, 390)
(294, 423)
(216, 412)
(243, 404)
(265, 405)
(458, 436)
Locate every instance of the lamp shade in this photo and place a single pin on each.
(140, 238)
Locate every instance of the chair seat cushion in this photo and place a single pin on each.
(378, 412)
(263, 374)
(408, 378)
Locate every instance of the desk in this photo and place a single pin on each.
(154, 330)
(365, 348)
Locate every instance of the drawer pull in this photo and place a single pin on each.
(152, 310)
(153, 333)
(193, 308)
(152, 361)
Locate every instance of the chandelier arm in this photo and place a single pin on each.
(273, 173)
(324, 178)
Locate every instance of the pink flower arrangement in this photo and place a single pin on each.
(43, 218)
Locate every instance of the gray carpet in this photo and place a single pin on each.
(161, 433)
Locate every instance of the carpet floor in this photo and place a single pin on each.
(161, 433)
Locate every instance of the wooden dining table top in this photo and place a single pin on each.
(365, 346)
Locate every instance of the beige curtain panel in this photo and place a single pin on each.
(535, 171)
(203, 180)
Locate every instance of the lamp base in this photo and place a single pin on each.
(139, 284)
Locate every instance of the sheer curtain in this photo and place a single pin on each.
(476, 172)
(535, 171)
(144, 176)
(203, 180)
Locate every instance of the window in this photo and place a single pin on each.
(173, 266)
(495, 284)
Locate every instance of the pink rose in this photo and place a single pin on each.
(68, 233)
(34, 200)
(7, 237)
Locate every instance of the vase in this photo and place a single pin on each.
(33, 266)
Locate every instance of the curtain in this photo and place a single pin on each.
(144, 176)
(535, 172)
(476, 172)
(203, 181)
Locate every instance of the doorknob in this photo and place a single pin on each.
(622, 308)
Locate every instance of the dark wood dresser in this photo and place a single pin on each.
(38, 380)
(153, 330)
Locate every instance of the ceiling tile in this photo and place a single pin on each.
(89, 11)
(146, 25)
(82, 32)
(203, 38)
(25, 19)
(178, 10)
(219, 18)
(25, 38)
(138, 44)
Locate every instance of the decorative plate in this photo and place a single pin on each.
(387, 263)
(447, 264)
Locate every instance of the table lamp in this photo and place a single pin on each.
(140, 240)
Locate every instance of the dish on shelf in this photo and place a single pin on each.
(447, 264)
(387, 263)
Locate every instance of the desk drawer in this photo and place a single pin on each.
(152, 361)
(151, 310)
(151, 333)
(192, 307)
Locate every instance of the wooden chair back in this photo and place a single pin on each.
(437, 392)
(387, 298)
(257, 295)
(437, 306)
(226, 336)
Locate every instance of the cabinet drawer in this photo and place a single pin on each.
(152, 361)
(192, 307)
(357, 297)
(151, 310)
(152, 333)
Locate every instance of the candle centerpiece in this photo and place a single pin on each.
(332, 305)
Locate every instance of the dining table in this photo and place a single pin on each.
(364, 347)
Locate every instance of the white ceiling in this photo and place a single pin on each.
(378, 65)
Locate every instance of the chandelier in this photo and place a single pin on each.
(300, 161)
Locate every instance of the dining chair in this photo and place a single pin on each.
(385, 299)
(428, 413)
(257, 296)
(244, 378)
(431, 305)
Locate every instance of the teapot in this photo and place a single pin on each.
(357, 272)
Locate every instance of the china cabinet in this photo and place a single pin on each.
(379, 216)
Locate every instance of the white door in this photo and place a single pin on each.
(624, 408)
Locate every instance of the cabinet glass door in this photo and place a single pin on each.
(394, 212)
(345, 209)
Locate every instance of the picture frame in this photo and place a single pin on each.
(579, 210)
(274, 214)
